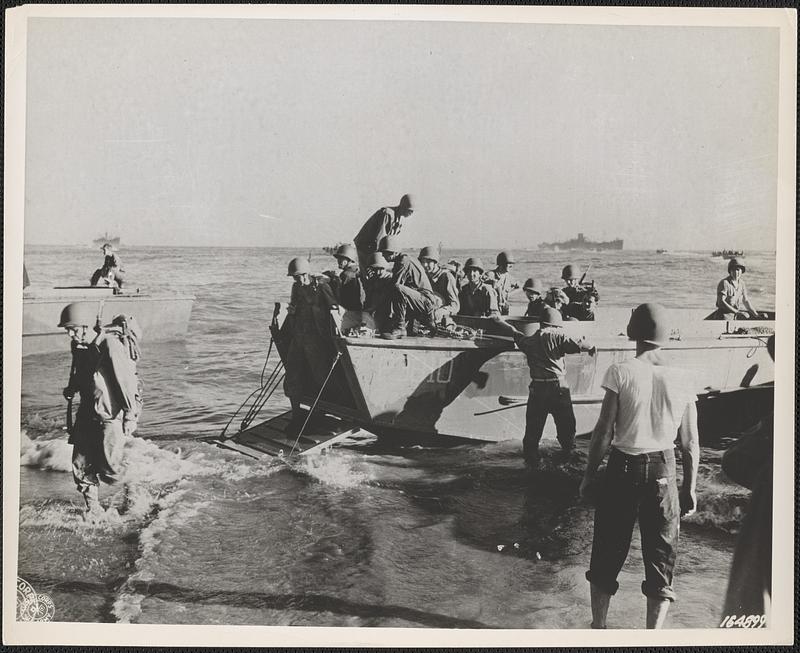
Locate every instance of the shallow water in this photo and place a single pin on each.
(369, 533)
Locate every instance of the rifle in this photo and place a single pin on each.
(580, 283)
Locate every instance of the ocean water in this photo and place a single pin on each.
(368, 533)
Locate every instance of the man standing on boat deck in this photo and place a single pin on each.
(476, 298)
(412, 295)
(310, 352)
(582, 297)
(732, 300)
(500, 279)
(443, 283)
(548, 391)
(645, 404)
(386, 221)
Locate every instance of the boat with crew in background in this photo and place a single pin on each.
(728, 253)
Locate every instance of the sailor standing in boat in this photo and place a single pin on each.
(443, 283)
(500, 279)
(476, 298)
(548, 391)
(103, 373)
(732, 300)
(411, 297)
(582, 297)
(645, 404)
(386, 221)
(310, 349)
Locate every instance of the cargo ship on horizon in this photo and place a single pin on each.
(582, 243)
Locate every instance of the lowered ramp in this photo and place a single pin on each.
(272, 439)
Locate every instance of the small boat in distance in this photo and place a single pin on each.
(582, 243)
(661, 251)
(728, 253)
(111, 240)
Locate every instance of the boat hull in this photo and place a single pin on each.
(162, 317)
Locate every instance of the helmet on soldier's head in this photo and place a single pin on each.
(78, 314)
(648, 323)
(376, 260)
(505, 258)
(390, 244)
(346, 251)
(533, 285)
(429, 252)
(734, 263)
(407, 202)
(570, 272)
(298, 266)
(473, 262)
(550, 317)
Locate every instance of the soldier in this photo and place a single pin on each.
(582, 297)
(111, 272)
(310, 352)
(456, 269)
(386, 221)
(103, 373)
(412, 297)
(346, 282)
(732, 300)
(477, 298)
(533, 291)
(443, 283)
(378, 285)
(501, 279)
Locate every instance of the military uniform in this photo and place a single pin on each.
(446, 293)
(535, 308)
(412, 297)
(581, 302)
(348, 287)
(479, 302)
(503, 285)
(384, 222)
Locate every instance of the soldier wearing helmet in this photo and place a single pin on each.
(103, 375)
(549, 393)
(582, 297)
(646, 403)
(500, 278)
(443, 283)
(534, 290)
(732, 300)
(412, 296)
(476, 298)
(310, 352)
(386, 221)
(346, 281)
(378, 286)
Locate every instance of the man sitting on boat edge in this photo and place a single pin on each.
(443, 283)
(477, 298)
(732, 300)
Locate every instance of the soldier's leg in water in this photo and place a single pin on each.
(84, 473)
(111, 451)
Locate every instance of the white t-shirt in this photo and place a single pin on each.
(652, 402)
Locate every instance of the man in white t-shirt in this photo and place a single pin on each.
(646, 404)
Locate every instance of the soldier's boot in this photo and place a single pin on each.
(91, 495)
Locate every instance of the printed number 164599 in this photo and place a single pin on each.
(744, 621)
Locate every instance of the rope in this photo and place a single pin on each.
(316, 401)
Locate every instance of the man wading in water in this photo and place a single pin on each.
(645, 403)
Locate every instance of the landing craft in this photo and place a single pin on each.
(439, 389)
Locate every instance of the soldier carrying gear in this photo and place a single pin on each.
(103, 373)
(386, 221)
(501, 279)
(582, 297)
(346, 281)
(443, 283)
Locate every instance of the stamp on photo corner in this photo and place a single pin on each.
(32, 606)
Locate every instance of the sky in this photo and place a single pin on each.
(292, 133)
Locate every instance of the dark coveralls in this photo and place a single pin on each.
(579, 307)
(412, 297)
(548, 393)
(348, 287)
(535, 308)
(111, 263)
(384, 222)
(108, 392)
(310, 352)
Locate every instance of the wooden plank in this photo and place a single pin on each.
(257, 443)
(233, 446)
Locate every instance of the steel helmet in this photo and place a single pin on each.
(389, 244)
(346, 251)
(550, 317)
(474, 262)
(734, 263)
(429, 252)
(571, 272)
(407, 202)
(505, 258)
(298, 266)
(533, 284)
(79, 314)
(376, 260)
(648, 323)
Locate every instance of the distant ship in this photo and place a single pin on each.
(581, 243)
(728, 253)
(661, 251)
(111, 240)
